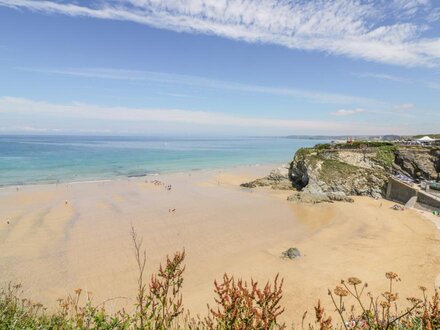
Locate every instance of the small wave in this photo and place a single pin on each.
(89, 181)
(140, 175)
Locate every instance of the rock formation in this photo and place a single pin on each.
(420, 164)
(278, 178)
(339, 173)
(333, 173)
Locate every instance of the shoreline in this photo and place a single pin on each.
(140, 177)
(52, 248)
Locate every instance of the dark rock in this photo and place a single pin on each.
(279, 179)
(291, 253)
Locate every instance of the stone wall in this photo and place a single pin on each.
(427, 199)
(399, 191)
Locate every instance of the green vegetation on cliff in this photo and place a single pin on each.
(385, 155)
(361, 168)
(353, 145)
(305, 151)
(332, 169)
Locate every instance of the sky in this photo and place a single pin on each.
(219, 67)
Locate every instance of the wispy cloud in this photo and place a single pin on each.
(29, 129)
(23, 129)
(188, 80)
(21, 106)
(31, 116)
(385, 76)
(349, 112)
(404, 107)
(371, 30)
(434, 15)
(410, 8)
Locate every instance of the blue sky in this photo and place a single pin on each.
(219, 67)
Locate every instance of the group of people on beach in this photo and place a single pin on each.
(160, 183)
(167, 187)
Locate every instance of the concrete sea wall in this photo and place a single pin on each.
(402, 192)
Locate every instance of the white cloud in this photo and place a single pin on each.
(349, 112)
(45, 130)
(81, 111)
(29, 129)
(33, 117)
(371, 30)
(410, 7)
(434, 15)
(175, 79)
(404, 107)
(383, 76)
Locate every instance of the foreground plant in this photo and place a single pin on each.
(239, 305)
(78, 312)
(382, 313)
(160, 306)
(246, 306)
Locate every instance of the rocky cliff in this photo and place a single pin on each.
(326, 173)
(418, 163)
(338, 173)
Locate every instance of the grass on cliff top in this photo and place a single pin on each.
(384, 146)
(305, 151)
(334, 169)
(353, 145)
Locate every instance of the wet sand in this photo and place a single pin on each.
(53, 248)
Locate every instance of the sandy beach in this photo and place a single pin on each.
(53, 247)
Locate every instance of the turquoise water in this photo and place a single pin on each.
(49, 159)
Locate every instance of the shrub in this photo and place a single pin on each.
(241, 306)
(160, 307)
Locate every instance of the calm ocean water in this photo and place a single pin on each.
(49, 159)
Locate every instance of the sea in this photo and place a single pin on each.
(53, 159)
